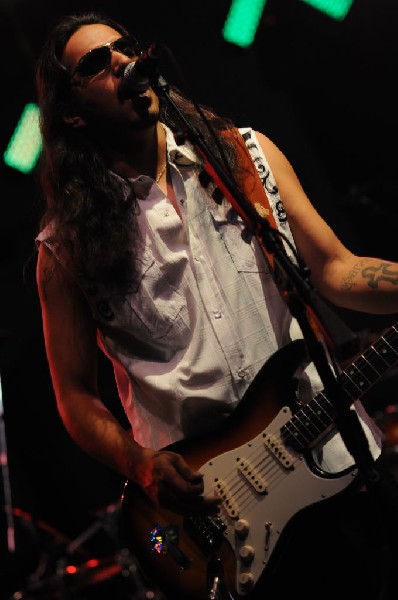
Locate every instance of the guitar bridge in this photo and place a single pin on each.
(206, 531)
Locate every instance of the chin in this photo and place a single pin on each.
(146, 118)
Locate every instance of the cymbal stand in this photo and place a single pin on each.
(105, 522)
(108, 521)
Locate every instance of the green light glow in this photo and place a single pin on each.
(242, 21)
(25, 145)
(244, 16)
(337, 9)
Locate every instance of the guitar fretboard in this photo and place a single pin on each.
(316, 417)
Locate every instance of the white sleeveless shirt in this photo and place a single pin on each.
(205, 316)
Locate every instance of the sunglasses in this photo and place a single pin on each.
(98, 60)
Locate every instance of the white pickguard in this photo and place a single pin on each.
(260, 517)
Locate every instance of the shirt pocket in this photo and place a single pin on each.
(152, 311)
(240, 244)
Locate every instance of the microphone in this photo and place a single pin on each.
(138, 75)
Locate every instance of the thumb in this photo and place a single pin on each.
(189, 474)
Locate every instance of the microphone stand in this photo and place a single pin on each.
(313, 316)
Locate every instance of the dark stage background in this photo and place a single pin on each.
(324, 91)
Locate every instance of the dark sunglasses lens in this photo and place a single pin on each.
(127, 46)
(94, 62)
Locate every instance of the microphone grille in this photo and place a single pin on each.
(128, 70)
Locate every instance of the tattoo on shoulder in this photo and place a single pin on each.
(384, 271)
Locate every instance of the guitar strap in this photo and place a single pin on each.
(253, 189)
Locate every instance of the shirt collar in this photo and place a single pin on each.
(182, 155)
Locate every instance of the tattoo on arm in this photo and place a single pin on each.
(384, 271)
(349, 280)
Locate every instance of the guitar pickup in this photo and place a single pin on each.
(279, 451)
(228, 501)
(253, 477)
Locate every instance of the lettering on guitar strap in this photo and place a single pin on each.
(381, 273)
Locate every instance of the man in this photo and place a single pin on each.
(135, 254)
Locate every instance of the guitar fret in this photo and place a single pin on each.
(392, 335)
(349, 385)
(319, 424)
(296, 435)
(386, 351)
(376, 359)
(308, 428)
(315, 418)
(322, 400)
(367, 369)
(362, 373)
(308, 422)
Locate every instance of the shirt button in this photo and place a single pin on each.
(166, 213)
(217, 314)
(242, 374)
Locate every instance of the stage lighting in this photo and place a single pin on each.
(25, 144)
(244, 16)
(336, 9)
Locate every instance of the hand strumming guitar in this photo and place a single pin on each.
(170, 482)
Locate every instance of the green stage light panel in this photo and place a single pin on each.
(25, 145)
(242, 21)
(337, 9)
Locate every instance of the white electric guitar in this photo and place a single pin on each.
(259, 461)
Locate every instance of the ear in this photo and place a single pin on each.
(74, 121)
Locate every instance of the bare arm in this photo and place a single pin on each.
(71, 347)
(360, 283)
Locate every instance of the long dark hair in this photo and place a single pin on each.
(91, 222)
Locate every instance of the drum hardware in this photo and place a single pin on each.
(46, 565)
(95, 578)
(10, 528)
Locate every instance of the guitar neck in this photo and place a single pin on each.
(315, 418)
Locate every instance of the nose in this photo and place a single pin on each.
(119, 62)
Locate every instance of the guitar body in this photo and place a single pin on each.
(263, 484)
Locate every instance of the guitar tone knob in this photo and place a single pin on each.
(242, 528)
(246, 581)
(247, 554)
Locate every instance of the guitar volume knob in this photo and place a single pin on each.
(246, 553)
(242, 528)
(246, 581)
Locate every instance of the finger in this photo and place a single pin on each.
(189, 505)
(186, 471)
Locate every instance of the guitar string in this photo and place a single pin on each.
(271, 471)
(263, 454)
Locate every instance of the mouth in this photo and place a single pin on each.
(125, 92)
(141, 102)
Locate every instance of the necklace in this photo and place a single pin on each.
(158, 178)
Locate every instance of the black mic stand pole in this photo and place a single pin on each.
(307, 306)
